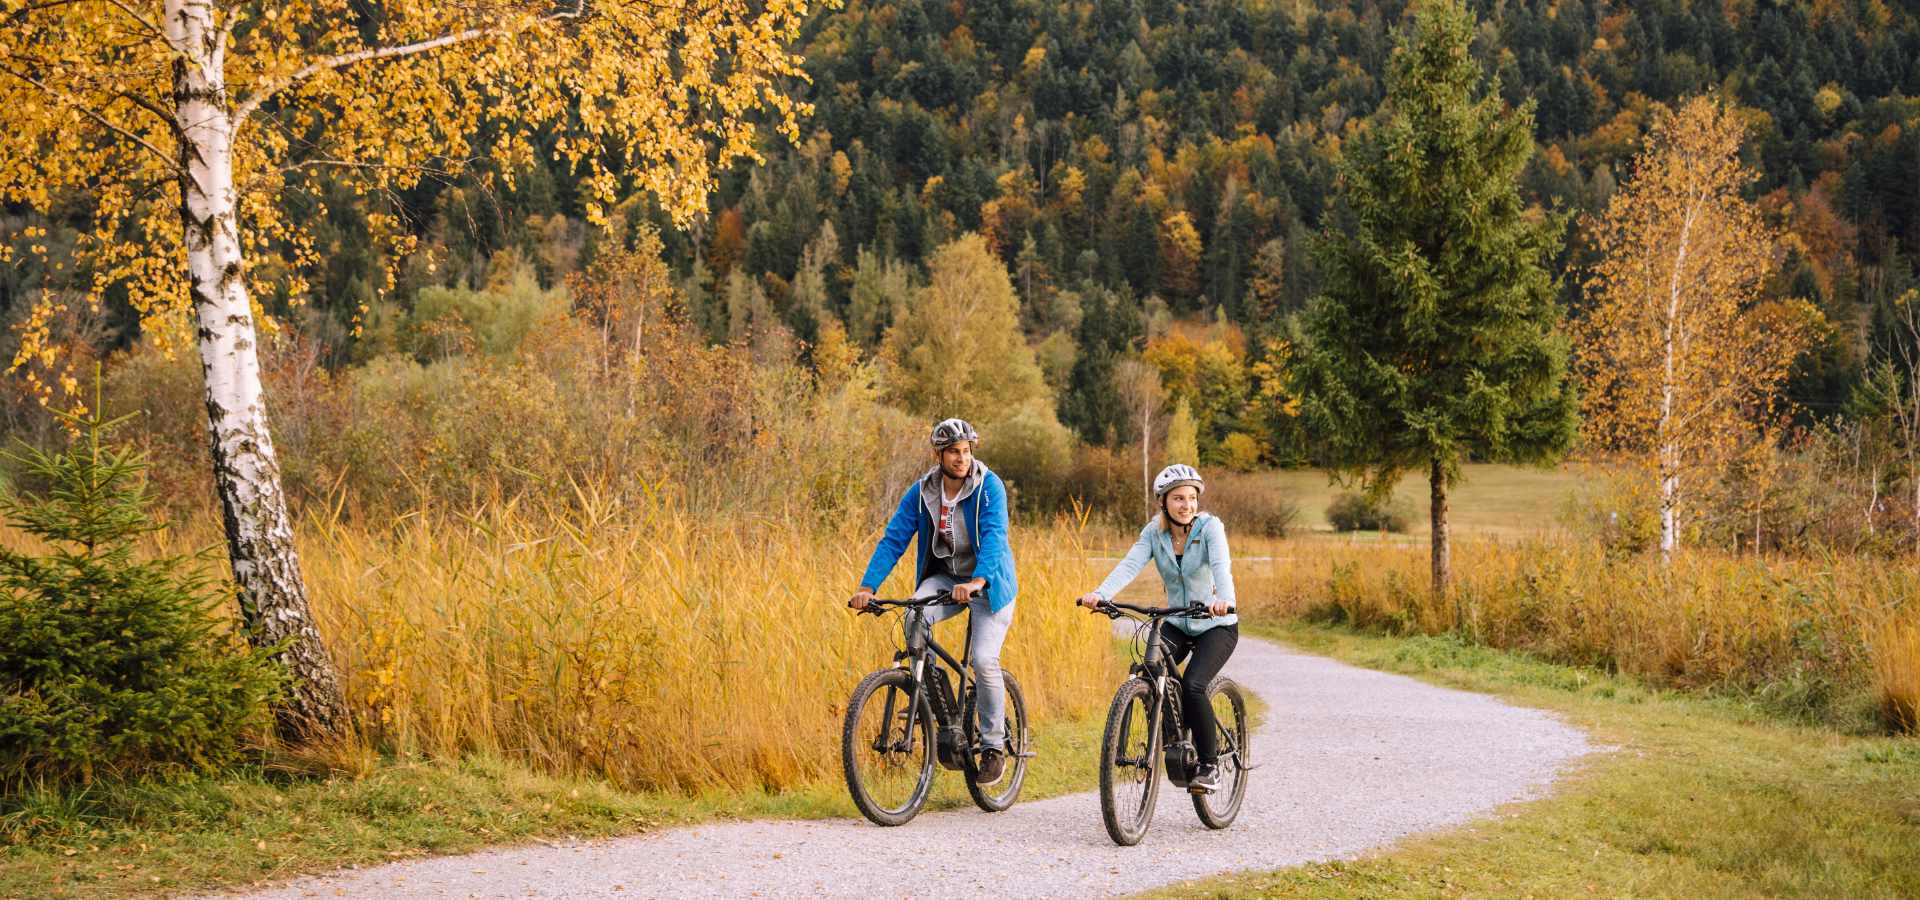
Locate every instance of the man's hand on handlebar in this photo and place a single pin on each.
(1091, 600)
(964, 591)
(861, 598)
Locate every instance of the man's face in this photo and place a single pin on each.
(956, 461)
(1183, 503)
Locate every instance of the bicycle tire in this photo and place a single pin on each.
(1019, 742)
(1129, 755)
(854, 748)
(1218, 809)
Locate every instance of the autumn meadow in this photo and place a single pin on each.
(439, 426)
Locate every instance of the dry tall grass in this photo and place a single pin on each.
(646, 645)
(1804, 634)
(1898, 664)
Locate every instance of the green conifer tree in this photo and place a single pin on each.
(114, 664)
(1437, 338)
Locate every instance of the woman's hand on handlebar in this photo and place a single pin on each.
(1218, 608)
(861, 598)
(1091, 600)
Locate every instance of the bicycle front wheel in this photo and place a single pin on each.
(889, 765)
(1220, 808)
(1129, 763)
(1001, 794)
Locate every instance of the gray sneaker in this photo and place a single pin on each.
(993, 764)
(1205, 780)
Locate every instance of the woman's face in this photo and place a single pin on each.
(1183, 503)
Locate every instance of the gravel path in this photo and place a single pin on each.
(1350, 759)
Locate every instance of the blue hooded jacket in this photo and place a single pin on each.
(987, 522)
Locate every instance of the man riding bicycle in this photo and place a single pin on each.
(958, 512)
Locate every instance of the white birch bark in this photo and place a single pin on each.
(259, 529)
(1669, 449)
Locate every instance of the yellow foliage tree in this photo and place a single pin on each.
(1682, 357)
(178, 128)
(956, 346)
(1179, 256)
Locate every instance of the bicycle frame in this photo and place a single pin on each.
(1163, 685)
(924, 655)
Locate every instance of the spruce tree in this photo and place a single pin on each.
(114, 664)
(1436, 339)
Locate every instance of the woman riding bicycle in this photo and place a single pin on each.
(1189, 548)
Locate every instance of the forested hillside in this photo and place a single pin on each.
(1132, 162)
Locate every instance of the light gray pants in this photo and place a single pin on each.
(989, 635)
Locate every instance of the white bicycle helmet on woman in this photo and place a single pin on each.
(1176, 475)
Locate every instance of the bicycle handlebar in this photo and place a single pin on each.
(877, 606)
(1115, 609)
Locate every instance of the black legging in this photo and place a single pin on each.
(1210, 649)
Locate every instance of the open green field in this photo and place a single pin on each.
(1691, 797)
(1493, 500)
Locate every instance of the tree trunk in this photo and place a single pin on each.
(1442, 546)
(266, 571)
(1669, 501)
(1669, 441)
(1146, 475)
(1873, 497)
(1669, 513)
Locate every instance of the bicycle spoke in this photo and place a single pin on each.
(887, 750)
(1219, 808)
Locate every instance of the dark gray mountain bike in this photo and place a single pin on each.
(1145, 735)
(904, 718)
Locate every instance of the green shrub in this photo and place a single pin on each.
(1250, 505)
(113, 665)
(1031, 450)
(450, 322)
(1618, 509)
(1240, 452)
(1357, 512)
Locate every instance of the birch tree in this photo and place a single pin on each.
(1138, 383)
(1680, 354)
(173, 132)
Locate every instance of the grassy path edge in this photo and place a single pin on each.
(1689, 796)
(260, 826)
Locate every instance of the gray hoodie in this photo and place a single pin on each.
(960, 557)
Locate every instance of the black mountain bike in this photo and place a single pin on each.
(903, 718)
(1145, 734)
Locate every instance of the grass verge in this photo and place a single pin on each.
(1698, 797)
(261, 826)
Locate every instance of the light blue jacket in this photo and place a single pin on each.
(1204, 572)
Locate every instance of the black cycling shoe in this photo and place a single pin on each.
(1205, 780)
(993, 764)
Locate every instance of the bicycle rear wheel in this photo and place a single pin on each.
(889, 766)
(1001, 794)
(1129, 764)
(1220, 808)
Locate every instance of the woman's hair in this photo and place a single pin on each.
(1164, 520)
